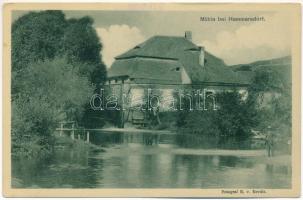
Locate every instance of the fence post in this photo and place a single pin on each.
(61, 129)
(87, 136)
(78, 136)
(121, 123)
(73, 131)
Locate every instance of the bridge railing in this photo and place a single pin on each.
(73, 129)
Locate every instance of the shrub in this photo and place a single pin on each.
(51, 91)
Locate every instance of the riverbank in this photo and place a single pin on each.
(116, 160)
(132, 130)
(62, 142)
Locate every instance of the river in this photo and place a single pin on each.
(155, 160)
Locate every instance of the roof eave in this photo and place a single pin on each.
(139, 56)
(220, 84)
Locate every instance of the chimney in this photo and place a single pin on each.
(202, 56)
(188, 35)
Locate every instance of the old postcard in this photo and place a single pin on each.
(151, 100)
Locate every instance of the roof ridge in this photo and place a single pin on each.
(175, 36)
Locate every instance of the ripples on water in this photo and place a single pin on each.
(145, 160)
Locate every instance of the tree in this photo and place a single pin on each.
(37, 36)
(52, 91)
(48, 36)
(266, 80)
(272, 92)
(235, 116)
(82, 45)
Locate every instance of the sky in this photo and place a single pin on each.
(234, 42)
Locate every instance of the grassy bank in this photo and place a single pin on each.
(62, 142)
(32, 149)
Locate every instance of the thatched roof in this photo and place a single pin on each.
(156, 57)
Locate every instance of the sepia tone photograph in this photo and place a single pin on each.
(151, 96)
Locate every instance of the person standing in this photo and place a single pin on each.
(269, 142)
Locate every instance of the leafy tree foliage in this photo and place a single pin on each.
(37, 36)
(268, 104)
(82, 44)
(44, 35)
(198, 122)
(47, 98)
(268, 80)
(236, 116)
(56, 65)
(272, 91)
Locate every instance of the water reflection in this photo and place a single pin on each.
(150, 160)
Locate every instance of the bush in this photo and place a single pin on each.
(52, 91)
(200, 122)
(235, 117)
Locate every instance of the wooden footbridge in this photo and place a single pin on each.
(71, 129)
(74, 130)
